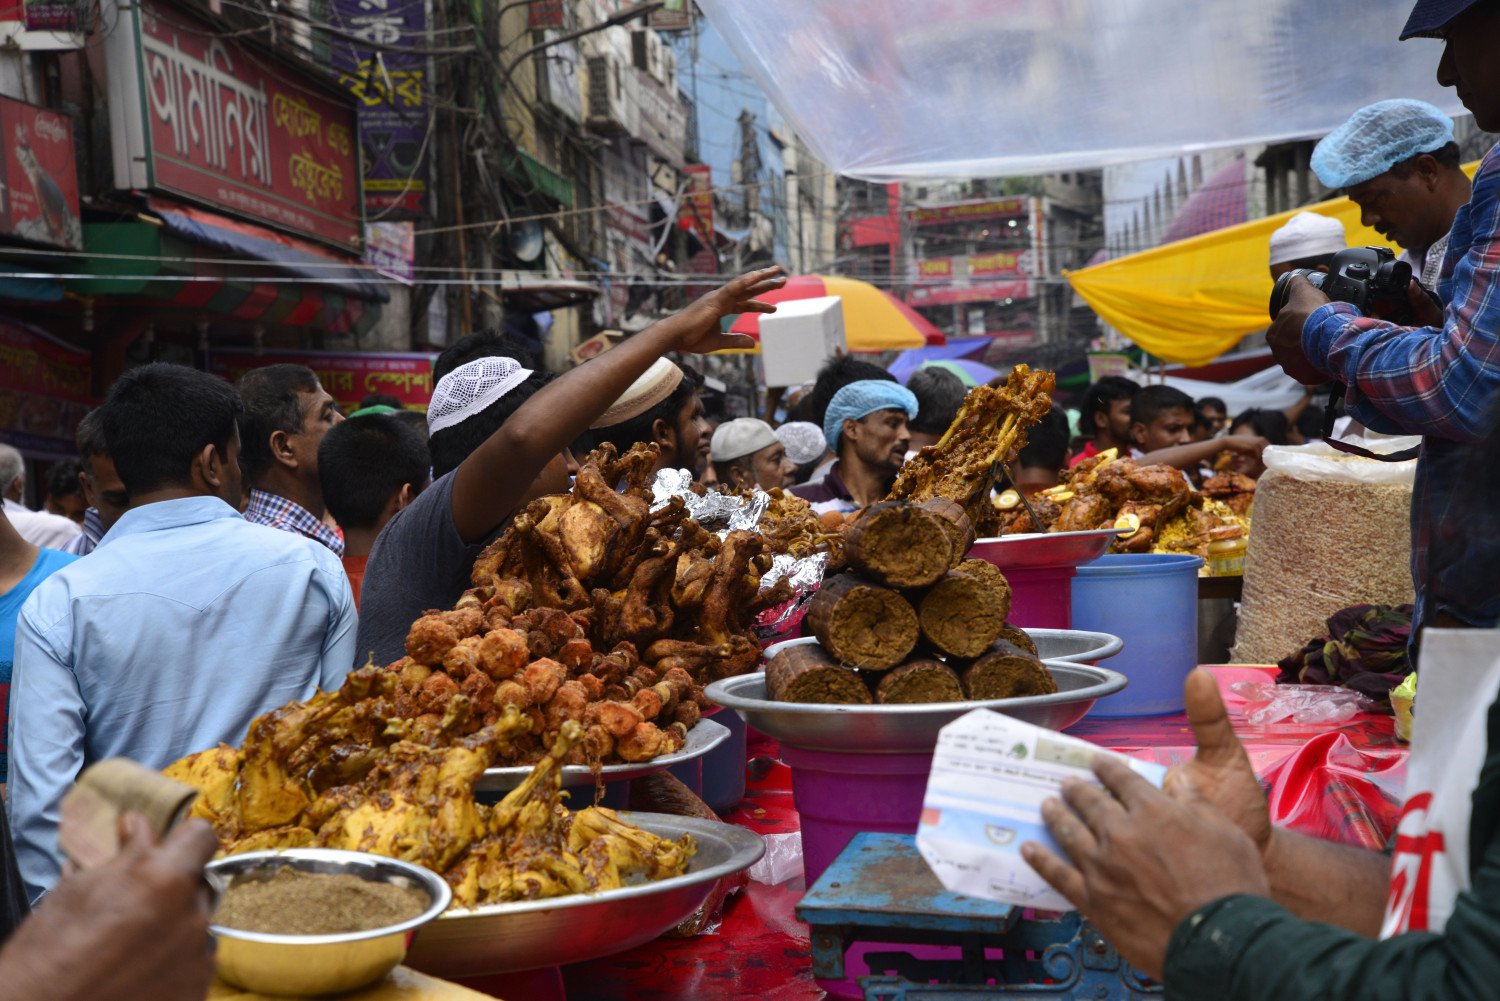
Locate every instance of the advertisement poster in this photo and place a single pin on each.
(391, 249)
(45, 389)
(55, 15)
(391, 85)
(39, 196)
(347, 377)
(225, 126)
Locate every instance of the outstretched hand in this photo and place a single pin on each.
(1141, 860)
(699, 324)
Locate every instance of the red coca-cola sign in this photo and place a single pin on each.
(225, 125)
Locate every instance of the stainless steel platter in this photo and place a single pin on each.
(702, 738)
(531, 934)
(1076, 646)
(1038, 550)
(906, 729)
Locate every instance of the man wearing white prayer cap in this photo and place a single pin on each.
(500, 438)
(1307, 241)
(747, 453)
(661, 407)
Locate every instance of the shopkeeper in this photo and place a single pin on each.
(866, 427)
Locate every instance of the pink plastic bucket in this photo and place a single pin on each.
(1041, 598)
(838, 795)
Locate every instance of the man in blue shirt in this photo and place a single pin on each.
(185, 623)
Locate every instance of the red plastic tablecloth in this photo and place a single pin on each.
(1341, 783)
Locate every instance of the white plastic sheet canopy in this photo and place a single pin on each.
(891, 89)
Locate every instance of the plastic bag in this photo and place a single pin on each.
(1300, 703)
(782, 860)
(1319, 461)
(1403, 699)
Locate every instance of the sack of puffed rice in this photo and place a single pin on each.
(1330, 530)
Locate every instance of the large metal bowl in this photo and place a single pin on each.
(311, 965)
(702, 738)
(1039, 550)
(526, 935)
(906, 729)
(1076, 646)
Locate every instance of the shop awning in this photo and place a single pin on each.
(1192, 300)
(142, 261)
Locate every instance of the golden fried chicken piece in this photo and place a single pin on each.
(213, 773)
(1084, 513)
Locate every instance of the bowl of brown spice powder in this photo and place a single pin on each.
(308, 921)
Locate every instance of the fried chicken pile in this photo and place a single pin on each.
(1234, 489)
(654, 583)
(790, 526)
(345, 770)
(1155, 506)
(990, 425)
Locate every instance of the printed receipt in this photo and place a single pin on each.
(990, 774)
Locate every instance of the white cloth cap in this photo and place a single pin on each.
(1307, 234)
(471, 388)
(654, 385)
(741, 437)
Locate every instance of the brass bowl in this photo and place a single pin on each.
(309, 965)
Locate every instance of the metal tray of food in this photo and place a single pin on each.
(1041, 550)
(702, 738)
(530, 934)
(906, 729)
(1076, 646)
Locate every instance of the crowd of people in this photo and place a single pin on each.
(216, 551)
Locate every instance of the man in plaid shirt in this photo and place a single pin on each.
(1436, 380)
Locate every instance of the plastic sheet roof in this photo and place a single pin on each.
(890, 89)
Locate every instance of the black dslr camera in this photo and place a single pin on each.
(1369, 278)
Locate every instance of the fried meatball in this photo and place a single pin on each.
(430, 639)
(503, 652)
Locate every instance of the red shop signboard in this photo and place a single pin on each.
(39, 199)
(219, 122)
(347, 377)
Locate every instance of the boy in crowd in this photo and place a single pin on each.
(370, 467)
(1105, 417)
(1042, 460)
(1161, 428)
(65, 491)
(500, 438)
(287, 413)
(185, 623)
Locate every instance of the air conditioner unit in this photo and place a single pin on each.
(668, 69)
(606, 103)
(645, 52)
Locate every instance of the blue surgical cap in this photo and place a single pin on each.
(1376, 138)
(859, 400)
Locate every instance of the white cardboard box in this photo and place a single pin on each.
(799, 337)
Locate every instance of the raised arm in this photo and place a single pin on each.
(1195, 454)
(489, 485)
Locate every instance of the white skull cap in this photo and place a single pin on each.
(471, 388)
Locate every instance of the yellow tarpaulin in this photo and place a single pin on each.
(1192, 300)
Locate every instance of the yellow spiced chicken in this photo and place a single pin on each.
(415, 801)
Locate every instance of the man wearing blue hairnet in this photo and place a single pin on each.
(1192, 884)
(1398, 162)
(867, 428)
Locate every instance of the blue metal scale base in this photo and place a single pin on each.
(880, 889)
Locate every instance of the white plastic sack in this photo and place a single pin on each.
(888, 89)
(1318, 461)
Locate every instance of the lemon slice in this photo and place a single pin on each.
(1129, 523)
(1008, 501)
(1061, 497)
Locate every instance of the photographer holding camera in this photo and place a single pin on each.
(1192, 884)
(1398, 162)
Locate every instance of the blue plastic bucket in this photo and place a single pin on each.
(1151, 602)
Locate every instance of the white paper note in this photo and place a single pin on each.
(990, 774)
